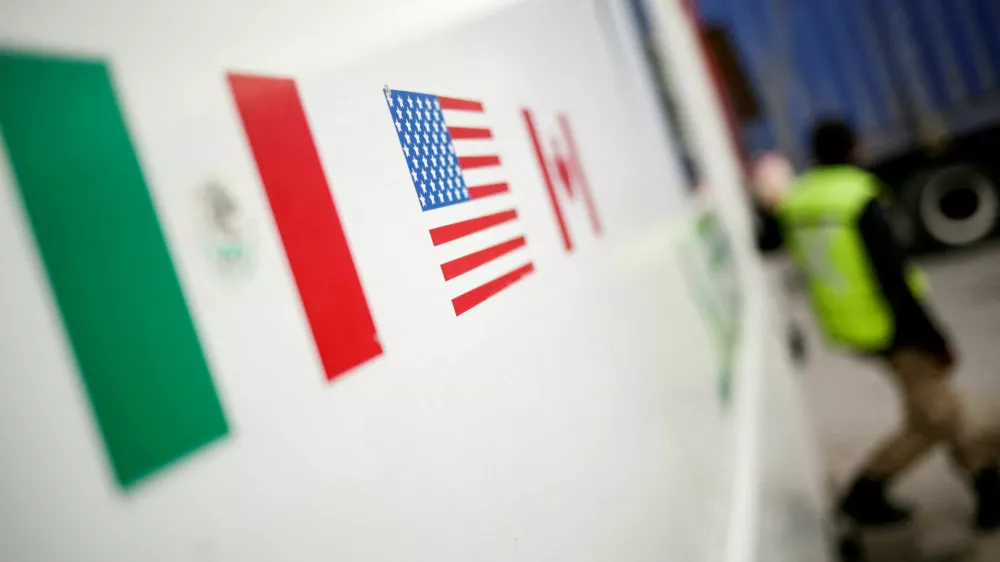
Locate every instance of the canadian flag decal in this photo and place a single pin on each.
(562, 172)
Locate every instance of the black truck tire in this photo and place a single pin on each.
(954, 206)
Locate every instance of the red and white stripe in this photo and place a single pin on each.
(481, 242)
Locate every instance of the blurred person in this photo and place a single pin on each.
(869, 300)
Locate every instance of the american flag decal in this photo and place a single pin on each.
(458, 180)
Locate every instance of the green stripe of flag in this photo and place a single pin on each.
(107, 262)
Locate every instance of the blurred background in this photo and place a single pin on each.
(919, 80)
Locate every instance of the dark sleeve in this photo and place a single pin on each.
(914, 326)
(887, 258)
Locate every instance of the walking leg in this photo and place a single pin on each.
(936, 411)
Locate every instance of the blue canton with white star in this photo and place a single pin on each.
(428, 148)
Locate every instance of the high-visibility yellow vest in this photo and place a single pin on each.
(820, 222)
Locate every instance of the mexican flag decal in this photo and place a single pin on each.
(108, 265)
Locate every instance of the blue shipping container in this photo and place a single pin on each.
(896, 69)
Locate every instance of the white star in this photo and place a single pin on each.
(450, 196)
(432, 199)
(425, 161)
(399, 98)
(423, 187)
(436, 126)
(409, 100)
(420, 102)
(416, 150)
(399, 126)
(451, 172)
(388, 96)
(423, 202)
(409, 114)
(406, 151)
(434, 173)
(427, 138)
(465, 192)
(408, 126)
(399, 113)
(427, 115)
(451, 182)
(417, 125)
(413, 174)
(451, 160)
(451, 149)
(437, 104)
(440, 185)
(416, 163)
(423, 173)
(434, 148)
(420, 115)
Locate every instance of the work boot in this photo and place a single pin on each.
(865, 503)
(987, 484)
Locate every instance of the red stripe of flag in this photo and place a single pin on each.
(459, 105)
(306, 215)
(480, 191)
(465, 264)
(470, 162)
(540, 155)
(447, 233)
(463, 133)
(464, 302)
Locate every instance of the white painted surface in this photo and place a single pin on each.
(572, 418)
